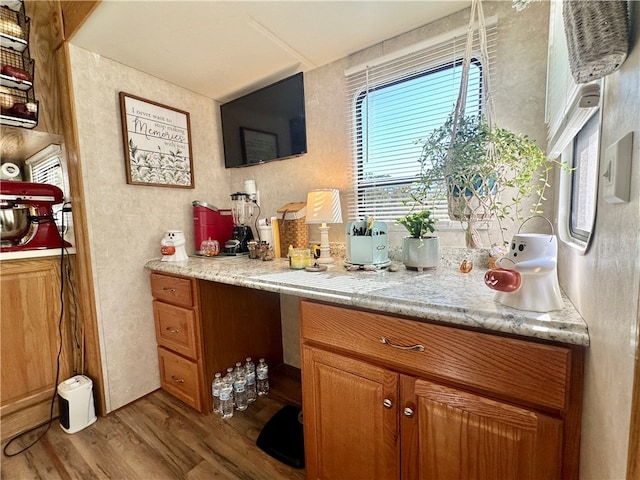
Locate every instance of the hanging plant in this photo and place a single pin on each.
(485, 173)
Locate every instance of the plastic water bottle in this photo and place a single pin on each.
(262, 375)
(226, 397)
(216, 385)
(250, 371)
(240, 388)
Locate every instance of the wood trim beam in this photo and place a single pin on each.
(74, 14)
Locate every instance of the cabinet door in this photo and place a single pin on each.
(30, 319)
(29, 336)
(451, 434)
(350, 418)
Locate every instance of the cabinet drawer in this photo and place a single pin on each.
(179, 377)
(175, 290)
(176, 329)
(513, 369)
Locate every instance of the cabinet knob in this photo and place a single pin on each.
(408, 412)
(172, 330)
(387, 403)
(169, 289)
(176, 379)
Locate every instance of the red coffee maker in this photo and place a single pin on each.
(27, 221)
(212, 223)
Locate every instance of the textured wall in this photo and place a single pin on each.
(127, 222)
(604, 286)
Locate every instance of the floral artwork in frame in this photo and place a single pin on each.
(157, 143)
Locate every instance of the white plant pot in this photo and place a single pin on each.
(420, 253)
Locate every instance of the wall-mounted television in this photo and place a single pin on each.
(264, 125)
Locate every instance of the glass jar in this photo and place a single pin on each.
(300, 258)
(210, 248)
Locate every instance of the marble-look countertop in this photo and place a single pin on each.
(443, 294)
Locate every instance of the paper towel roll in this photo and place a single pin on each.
(250, 187)
(10, 171)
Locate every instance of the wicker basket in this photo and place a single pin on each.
(597, 37)
(293, 229)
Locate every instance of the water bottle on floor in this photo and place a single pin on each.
(262, 375)
(240, 387)
(250, 370)
(216, 385)
(226, 397)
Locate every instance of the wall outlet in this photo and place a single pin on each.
(617, 170)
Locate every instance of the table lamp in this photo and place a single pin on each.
(323, 206)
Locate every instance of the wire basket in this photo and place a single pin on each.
(20, 61)
(597, 37)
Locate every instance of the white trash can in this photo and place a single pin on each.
(75, 401)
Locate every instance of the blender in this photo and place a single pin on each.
(242, 210)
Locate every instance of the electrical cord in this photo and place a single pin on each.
(53, 396)
(255, 223)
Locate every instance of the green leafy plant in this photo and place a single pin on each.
(419, 224)
(485, 172)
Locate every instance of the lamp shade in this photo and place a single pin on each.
(323, 206)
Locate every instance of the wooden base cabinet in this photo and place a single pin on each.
(30, 336)
(382, 399)
(204, 327)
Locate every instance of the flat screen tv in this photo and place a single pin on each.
(268, 124)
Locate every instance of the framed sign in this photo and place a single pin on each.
(258, 146)
(157, 143)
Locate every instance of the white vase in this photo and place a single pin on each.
(420, 253)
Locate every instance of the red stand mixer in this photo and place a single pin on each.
(27, 221)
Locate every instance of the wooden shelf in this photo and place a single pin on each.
(285, 384)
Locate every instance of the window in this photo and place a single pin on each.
(578, 190)
(584, 179)
(46, 167)
(393, 104)
(573, 135)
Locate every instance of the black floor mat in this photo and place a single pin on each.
(282, 437)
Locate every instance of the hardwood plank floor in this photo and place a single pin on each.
(156, 437)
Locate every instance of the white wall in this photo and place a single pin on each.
(603, 285)
(127, 222)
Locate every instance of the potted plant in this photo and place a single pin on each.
(420, 250)
(477, 167)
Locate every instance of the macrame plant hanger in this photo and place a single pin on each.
(474, 204)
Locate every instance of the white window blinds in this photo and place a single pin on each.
(46, 167)
(394, 102)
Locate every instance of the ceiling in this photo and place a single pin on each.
(222, 49)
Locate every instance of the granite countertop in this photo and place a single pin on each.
(443, 294)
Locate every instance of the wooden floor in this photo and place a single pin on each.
(156, 437)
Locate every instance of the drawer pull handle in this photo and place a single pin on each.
(173, 330)
(416, 348)
(169, 289)
(177, 380)
(387, 403)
